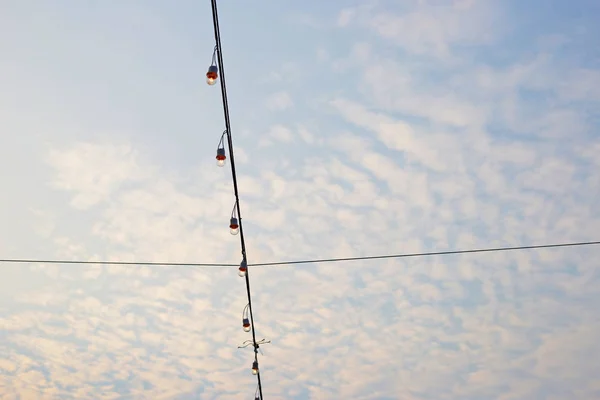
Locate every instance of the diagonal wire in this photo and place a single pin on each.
(431, 253)
(234, 177)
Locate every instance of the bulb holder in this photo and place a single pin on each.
(255, 368)
(234, 227)
(246, 325)
(212, 75)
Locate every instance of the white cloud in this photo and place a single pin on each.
(395, 134)
(281, 134)
(431, 29)
(420, 156)
(306, 135)
(345, 17)
(95, 171)
(279, 101)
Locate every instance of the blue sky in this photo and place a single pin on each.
(360, 128)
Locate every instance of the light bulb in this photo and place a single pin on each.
(243, 268)
(212, 75)
(246, 325)
(255, 368)
(221, 157)
(234, 228)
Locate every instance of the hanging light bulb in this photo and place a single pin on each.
(246, 325)
(255, 368)
(213, 70)
(246, 318)
(234, 228)
(212, 75)
(221, 157)
(243, 269)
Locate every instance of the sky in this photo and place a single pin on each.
(360, 128)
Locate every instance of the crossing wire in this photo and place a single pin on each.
(307, 261)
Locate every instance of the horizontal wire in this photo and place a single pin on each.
(310, 261)
(134, 263)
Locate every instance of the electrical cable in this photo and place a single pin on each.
(130, 263)
(308, 261)
(432, 253)
(219, 52)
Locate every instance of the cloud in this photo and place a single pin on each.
(281, 133)
(396, 135)
(429, 29)
(345, 17)
(390, 154)
(279, 101)
(110, 167)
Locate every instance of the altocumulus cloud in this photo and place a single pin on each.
(425, 127)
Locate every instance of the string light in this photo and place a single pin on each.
(221, 157)
(213, 71)
(245, 320)
(235, 222)
(234, 226)
(243, 269)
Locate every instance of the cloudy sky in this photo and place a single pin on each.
(360, 128)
